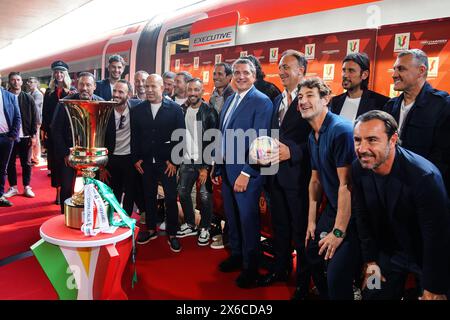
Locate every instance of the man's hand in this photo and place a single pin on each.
(427, 295)
(171, 169)
(370, 269)
(138, 166)
(203, 175)
(281, 153)
(241, 183)
(310, 231)
(215, 180)
(104, 175)
(330, 243)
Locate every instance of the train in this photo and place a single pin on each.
(194, 38)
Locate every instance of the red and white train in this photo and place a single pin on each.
(195, 38)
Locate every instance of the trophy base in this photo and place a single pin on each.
(73, 214)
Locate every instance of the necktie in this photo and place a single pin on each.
(226, 122)
(283, 110)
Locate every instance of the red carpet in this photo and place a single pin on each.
(162, 274)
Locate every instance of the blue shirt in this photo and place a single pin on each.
(334, 149)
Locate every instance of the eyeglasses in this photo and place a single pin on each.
(121, 123)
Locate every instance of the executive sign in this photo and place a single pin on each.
(218, 38)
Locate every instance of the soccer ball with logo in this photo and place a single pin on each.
(263, 149)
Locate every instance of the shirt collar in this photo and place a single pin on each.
(326, 122)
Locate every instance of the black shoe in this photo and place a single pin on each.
(5, 202)
(232, 263)
(299, 294)
(145, 236)
(247, 279)
(174, 244)
(272, 277)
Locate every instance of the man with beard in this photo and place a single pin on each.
(120, 172)
(116, 67)
(152, 124)
(139, 84)
(180, 95)
(222, 89)
(169, 83)
(357, 99)
(333, 233)
(62, 135)
(199, 117)
(400, 205)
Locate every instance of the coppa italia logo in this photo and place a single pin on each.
(353, 46)
(328, 72)
(401, 42)
(310, 50)
(433, 67)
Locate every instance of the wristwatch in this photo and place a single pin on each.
(338, 233)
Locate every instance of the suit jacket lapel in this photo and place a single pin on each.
(339, 104)
(224, 110)
(364, 104)
(394, 186)
(240, 106)
(370, 192)
(290, 113)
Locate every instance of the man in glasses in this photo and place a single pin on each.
(120, 173)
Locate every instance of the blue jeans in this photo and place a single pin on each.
(188, 176)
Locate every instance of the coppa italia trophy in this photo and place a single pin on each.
(91, 209)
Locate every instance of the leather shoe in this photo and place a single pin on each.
(233, 263)
(272, 277)
(299, 294)
(247, 279)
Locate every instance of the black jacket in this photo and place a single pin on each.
(370, 100)
(103, 89)
(152, 138)
(60, 128)
(268, 88)
(293, 132)
(49, 107)
(426, 129)
(210, 120)
(414, 218)
(28, 113)
(110, 136)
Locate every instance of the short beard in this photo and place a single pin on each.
(384, 159)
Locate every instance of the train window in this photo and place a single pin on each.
(176, 41)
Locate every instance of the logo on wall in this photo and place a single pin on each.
(177, 65)
(243, 54)
(273, 55)
(433, 67)
(328, 72)
(353, 46)
(310, 51)
(217, 58)
(401, 42)
(196, 62)
(205, 77)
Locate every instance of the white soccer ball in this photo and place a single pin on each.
(263, 149)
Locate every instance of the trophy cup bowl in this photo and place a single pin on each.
(88, 122)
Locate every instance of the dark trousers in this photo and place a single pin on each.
(23, 149)
(67, 178)
(242, 213)
(334, 278)
(6, 146)
(125, 180)
(289, 213)
(395, 268)
(188, 176)
(154, 172)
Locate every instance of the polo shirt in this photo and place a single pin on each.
(333, 149)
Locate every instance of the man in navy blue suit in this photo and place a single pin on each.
(248, 111)
(10, 122)
(116, 67)
(400, 203)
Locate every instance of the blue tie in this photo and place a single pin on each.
(226, 121)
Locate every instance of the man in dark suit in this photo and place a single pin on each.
(120, 172)
(10, 122)
(116, 67)
(246, 112)
(152, 124)
(289, 186)
(358, 99)
(400, 204)
(62, 134)
(422, 112)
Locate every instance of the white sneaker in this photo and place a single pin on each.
(203, 238)
(28, 192)
(186, 230)
(162, 226)
(11, 192)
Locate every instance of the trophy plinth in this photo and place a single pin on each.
(88, 122)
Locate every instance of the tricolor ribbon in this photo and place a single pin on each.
(105, 193)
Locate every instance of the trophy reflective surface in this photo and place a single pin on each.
(88, 121)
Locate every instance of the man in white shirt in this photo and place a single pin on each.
(357, 99)
(181, 79)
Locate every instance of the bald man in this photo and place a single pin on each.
(152, 123)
